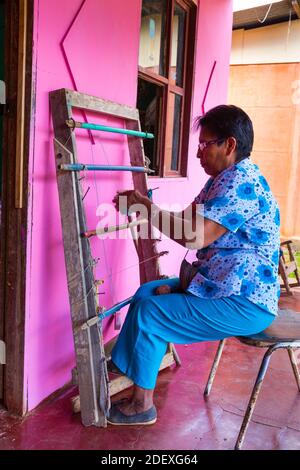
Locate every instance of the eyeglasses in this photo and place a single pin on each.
(205, 143)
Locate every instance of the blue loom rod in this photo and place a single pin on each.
(99, 127)
(83, 167)
(114, 309)
(106, 313)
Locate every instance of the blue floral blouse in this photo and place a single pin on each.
(243, 261)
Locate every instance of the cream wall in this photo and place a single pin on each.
(265, 81)
(278, 43)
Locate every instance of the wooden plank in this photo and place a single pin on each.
(284, 277)
(290, 268)
(296, 6)
(92, 103)
(122, 382)
(14, 222)
(146, 248)
(108, 347)
(74, 375)
(21, 103)
(90, 357)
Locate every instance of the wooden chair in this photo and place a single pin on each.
(288, 265)
(284, 333)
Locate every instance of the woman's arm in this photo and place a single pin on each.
(187, 228)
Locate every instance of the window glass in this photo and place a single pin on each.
(149, 105)
(176, 132)
(178, 45)
(173, 132)
(152, 54)
(167, 42)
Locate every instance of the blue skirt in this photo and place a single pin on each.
(153, 321)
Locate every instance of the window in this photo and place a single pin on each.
(165, 81)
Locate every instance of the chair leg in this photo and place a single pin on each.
(284, 277)
(252, 402)
(294, 367)
(175, 354)
(214, 368)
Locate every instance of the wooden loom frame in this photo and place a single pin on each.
(93, 381)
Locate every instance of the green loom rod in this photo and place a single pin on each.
(99, 127)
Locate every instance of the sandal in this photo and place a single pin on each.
(116, 417)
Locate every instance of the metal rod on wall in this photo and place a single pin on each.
(84, 167)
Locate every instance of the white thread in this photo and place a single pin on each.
(289, 29)
(266, 15)
(98, 200)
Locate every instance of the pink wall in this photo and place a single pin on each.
(102, 50)
(213, 44)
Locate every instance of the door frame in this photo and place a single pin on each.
(13, 227)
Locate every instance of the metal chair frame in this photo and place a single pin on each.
(261, 340)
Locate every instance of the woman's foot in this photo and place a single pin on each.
(139, 410)
(134, 407)
(118, 418)
(140, 402)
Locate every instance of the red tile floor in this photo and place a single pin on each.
(185, 419)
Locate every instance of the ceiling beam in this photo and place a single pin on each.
(296, 6)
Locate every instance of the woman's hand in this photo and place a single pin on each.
(128, 199)
(164, 289)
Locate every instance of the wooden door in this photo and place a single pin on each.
(13, 228)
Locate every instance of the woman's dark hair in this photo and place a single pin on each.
(230, 121)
